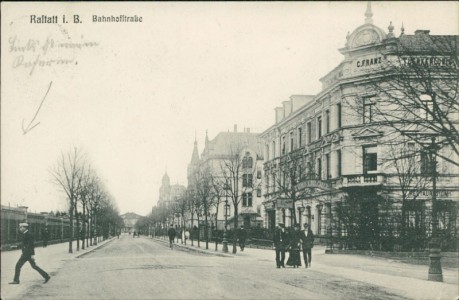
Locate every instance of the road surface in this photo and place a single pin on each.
(142, 268)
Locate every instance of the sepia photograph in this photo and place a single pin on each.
(229, 150)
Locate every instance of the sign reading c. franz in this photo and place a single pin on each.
(313, 184)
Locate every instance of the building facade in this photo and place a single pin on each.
(330, 158)
(234, 160)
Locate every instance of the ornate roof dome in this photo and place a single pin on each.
(365, 34)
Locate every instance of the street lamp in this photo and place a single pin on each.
(225, 241)
(435, 271)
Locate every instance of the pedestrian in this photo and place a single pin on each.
(28, 252)
(242, 236)
(280, 242)
(171, 233)
(187, 235)
(294, 258)
(45, 237)
(307, 242)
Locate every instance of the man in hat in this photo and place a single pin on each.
(28, 252)
(280, 243)
(307, 241)
(171, 233)
(242, 235)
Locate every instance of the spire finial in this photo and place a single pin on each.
(368, 14)
(402, 30)
(391, 30)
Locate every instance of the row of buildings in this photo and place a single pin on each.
(367, 156)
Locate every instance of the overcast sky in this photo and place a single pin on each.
(133, 97)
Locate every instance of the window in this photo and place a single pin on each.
(247, 161)
(283, 144)
(247, 180)
(291, 141)
(425, 163)
(338, 114)
(327, 161)
(427, 109)
(247, 199)
(338, 162)
(300, 137)
(267, 151)
(368, 110)
(309, 132)
(370, 159)
(327, 121)
(319, 126)
(258, 192)
(414, 214)
(319, 168)
(228, 209)
(274, 149)
(258, 173)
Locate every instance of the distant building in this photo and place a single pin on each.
(227, 146)
(169, 194)
(130, 219)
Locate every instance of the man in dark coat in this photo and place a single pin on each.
(242, 235)
(45, 237)
(307, 242)
(280, 243)
(171, 233)
(28, 252)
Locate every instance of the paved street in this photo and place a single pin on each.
(143, 268)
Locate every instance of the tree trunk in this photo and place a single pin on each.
(71, 228)
(216, 228)
(199, 233)
(235, 229)
(207, 232)
(84, 226)
(78, 228)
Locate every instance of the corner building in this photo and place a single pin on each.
(348, 183)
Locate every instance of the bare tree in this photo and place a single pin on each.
(412, 180)
(204, 192)
(218, 192)
(68, 174)
(238, 179)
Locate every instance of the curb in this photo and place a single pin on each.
(93, 249)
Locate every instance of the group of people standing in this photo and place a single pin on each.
(293, 241)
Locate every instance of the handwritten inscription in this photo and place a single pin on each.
(34, 53)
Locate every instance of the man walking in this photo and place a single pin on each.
(280, 242)
(307, 241)
(242, 235)
(171, 233)
(28, 252)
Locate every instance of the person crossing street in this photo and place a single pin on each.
(28, 252)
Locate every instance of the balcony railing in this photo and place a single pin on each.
(362, 180)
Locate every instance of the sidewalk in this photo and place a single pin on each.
(408, 280)
(49, 259)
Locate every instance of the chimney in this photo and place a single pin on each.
(279, 114)
(248, 130)
(287, 108)
(235, 128)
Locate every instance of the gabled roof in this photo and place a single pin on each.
(227, 143)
